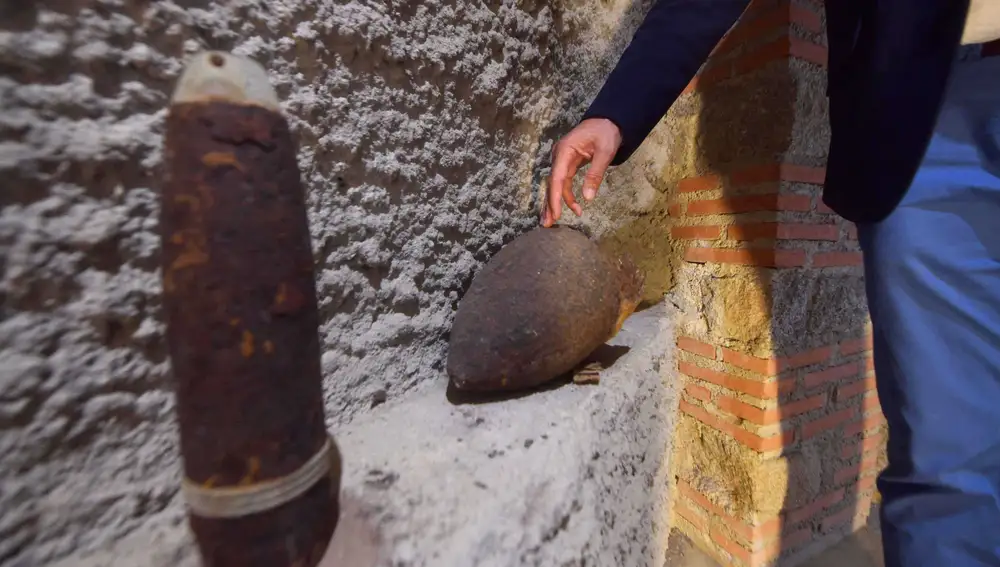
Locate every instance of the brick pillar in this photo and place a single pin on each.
(780, 433)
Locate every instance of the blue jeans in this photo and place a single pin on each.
(932, 272)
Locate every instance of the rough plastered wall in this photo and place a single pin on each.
(425, 127)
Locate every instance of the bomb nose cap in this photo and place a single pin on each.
(224, 77)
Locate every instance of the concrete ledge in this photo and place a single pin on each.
(574, 475)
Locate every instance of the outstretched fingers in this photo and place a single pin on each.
(567, 162)
(595, 174)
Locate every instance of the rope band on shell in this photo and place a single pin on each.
(238, 501)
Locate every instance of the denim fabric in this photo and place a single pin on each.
(932, 271)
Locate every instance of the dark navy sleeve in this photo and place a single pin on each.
(669, 47)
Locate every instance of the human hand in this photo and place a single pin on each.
(594, 141)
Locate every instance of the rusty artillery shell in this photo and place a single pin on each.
(242, 323)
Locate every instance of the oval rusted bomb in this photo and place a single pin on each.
(538, 308)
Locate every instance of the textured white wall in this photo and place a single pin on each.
(424, 126)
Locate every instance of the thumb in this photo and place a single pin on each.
(595, 174)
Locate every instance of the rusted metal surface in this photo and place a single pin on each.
(242, 323)
(538, 308)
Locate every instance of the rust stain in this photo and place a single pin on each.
(191, 256)
(253, 469)
(246, 347)
(268, 347)
(168, 282)
(189, 200)
(625, 309)
(287, 299)
(206, 195)
(192, 253)
(219, 159)
(282, 295)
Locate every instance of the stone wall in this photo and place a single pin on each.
(780, 431)
(425, 127)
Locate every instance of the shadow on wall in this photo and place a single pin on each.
(771, 461)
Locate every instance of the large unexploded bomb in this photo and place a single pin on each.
(261, 474)
(537, 309)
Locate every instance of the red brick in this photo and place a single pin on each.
(851, 473)
(869, 364)
(749, 203)
(792, 409)
(838, 520)
(701, 183)
(701, 500)
(852, 231)
(675, 210)
(699, 521)
(757, 535)
(808, 19)
(698, 392)
(734, 549)
(762, 55)
(778, 172)
(834, 374)
(871, 403)
(848, 474)
(821, 207)
(784, 231)
(814, 508)
(763, 390)
(782, 48)
(827, 422)
(772, 415)
(852, 450)
(755, 442)
(715, 73)
(748, 412)
(766, 366)
(831, 259)
(853, 389)
(855, 346)
(765, 257)
(748, 29)
(697, 232)
(807, 358)
(808, 51)
(772, 366)
(696, 347)
(868, 423)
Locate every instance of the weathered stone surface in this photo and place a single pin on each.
(570, 476)
(816, 308)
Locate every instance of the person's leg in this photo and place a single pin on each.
(932, 272)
